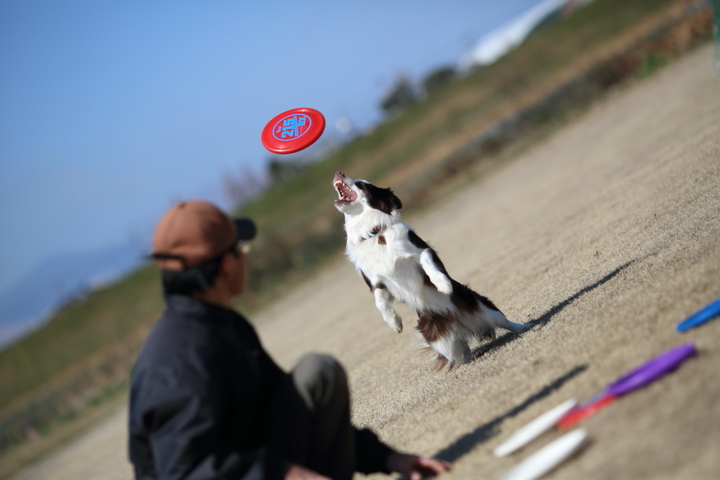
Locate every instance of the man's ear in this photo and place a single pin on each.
(225, 268)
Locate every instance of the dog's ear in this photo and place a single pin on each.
(382, 199)
(396, 201)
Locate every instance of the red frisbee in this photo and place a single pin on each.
(293, 130)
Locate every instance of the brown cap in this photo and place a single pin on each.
(193, 232)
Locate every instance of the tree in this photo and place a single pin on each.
(281, 170)
(437, 78)
(400, 95)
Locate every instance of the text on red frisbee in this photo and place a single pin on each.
(293, 130)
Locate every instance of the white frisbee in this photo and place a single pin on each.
(534, 429)
(548, 457)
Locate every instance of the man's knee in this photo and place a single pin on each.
(320, 379)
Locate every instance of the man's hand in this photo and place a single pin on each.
(297, 472)
(415, 467)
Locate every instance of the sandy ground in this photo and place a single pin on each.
(604, 235)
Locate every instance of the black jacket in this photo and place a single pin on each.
(198, 400)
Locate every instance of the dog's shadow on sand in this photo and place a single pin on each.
(546, 317)
(483, 433)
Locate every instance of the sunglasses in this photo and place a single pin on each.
(242, 246)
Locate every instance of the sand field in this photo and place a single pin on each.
(605, 235)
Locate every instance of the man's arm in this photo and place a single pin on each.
(416, 467)
(374, 456)
(371, 453)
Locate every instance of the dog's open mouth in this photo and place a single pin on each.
(345, 193)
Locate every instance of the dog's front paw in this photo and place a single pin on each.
(394, 321)
(443, 284)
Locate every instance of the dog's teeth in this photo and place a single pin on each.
(345, 193)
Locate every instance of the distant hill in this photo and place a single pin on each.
(57, 281)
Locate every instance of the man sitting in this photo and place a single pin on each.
(208, 402)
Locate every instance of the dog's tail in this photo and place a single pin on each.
(438, 361)
(498, 319)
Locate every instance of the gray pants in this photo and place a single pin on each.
(310, 418)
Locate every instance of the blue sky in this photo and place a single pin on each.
(112, 110)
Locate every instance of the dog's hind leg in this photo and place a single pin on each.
(454, 348)
(383, 302)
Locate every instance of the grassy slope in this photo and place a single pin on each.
(87, 347)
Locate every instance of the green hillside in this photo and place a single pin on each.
(82, 356)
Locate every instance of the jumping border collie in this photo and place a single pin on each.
(398, 265)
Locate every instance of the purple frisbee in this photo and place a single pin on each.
(651, 370)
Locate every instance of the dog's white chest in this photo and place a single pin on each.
(375, 255)
(391, 265)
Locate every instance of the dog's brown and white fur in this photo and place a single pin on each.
(398, 265)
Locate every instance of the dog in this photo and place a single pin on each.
(398, 265)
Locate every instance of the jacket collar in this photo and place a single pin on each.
(189, 306)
